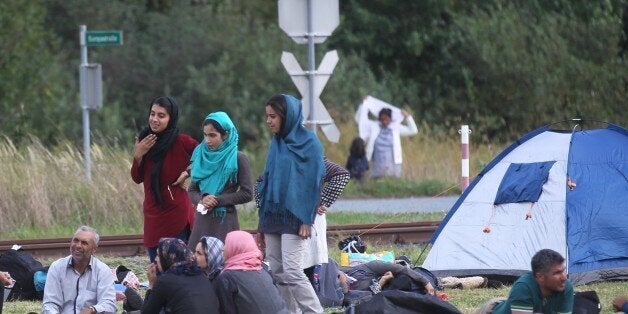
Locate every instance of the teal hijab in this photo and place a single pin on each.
(293, 175)
(212, 170)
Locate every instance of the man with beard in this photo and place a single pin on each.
(80, 283)
(543, 290)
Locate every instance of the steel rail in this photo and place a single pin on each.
(131, 245)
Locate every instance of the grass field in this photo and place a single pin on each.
(467, 301)
(43, 193)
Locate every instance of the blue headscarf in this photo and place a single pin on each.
(293, 175)
(212, 170)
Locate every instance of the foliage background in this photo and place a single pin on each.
(503, 67)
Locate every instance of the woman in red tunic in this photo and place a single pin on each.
(160, 160)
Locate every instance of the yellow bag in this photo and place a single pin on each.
(344, 259)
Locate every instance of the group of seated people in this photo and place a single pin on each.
(231, 278)
(216, 278)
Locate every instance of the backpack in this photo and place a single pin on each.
(352, 244)
(327, 287)
(429, 276)
(22, 267)
(586, 302)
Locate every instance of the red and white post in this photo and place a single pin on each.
(464, 147)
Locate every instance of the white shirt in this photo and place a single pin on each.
(67, 291)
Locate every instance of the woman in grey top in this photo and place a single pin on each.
(243, 286)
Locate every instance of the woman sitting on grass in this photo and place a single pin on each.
(209, 257)
(182, 286)
(243, 286)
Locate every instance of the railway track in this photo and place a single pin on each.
(131, 245)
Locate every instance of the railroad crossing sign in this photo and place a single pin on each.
(311, 22)
(321, 76)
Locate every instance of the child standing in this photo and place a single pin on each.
(357, 163)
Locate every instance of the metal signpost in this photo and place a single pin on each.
(90, 82)
(309, 22)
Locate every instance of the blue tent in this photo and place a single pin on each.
(556, 189)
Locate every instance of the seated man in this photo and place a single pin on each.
(80, 283)
(543, 290)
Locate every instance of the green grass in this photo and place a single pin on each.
(43, 191)
(467, 301)
(247, 215)
(400, 188)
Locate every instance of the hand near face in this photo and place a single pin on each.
(5, 278)
(142, 147)
(259, 239)
(151, 273)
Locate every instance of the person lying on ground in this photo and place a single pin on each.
(383, 273)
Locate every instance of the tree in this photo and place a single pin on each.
(33, 96)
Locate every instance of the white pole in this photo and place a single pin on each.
(311, 64)
(86, 139)
(464, 147)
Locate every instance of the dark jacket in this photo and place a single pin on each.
(248, 292)
(181, 294)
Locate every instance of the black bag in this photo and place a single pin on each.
(22, 267)
(404, 282)
(328, 289)
(586, 302)
(352, 244)
(429, 276)
(402, 302)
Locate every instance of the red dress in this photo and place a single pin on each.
(169, 219)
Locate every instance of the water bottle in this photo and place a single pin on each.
(317, 277)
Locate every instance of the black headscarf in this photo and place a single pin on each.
(165, 138)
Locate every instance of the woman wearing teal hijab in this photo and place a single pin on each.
(287, 194)
(221, 179)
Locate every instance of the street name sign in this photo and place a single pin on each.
(103, 38)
